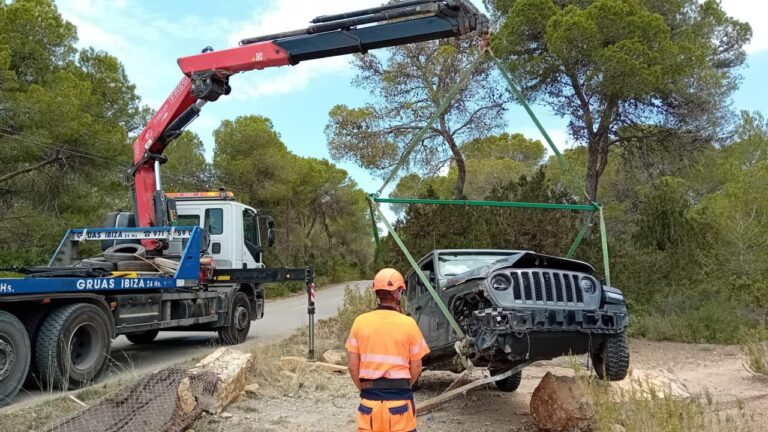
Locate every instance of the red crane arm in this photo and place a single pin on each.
(206, 75)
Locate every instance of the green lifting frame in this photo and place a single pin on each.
(374, 200)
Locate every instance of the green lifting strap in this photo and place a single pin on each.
(379, 258)
(604, 242)
(454, 90)
(579, 238)
(415, 266)
(521, 99)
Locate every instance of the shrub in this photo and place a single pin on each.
(703, 320)
(756, 347)
(356, 302)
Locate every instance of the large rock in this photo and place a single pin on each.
(649, 384)
(335, 357)
(559, 405)
(218, 379)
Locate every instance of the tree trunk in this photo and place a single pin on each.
(461, 168)
(593, 178)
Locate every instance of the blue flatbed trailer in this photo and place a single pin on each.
(57, 322)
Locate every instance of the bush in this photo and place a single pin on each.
(356, 302)
(683, 319)
(756, 347)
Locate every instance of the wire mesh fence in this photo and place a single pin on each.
(165, 401)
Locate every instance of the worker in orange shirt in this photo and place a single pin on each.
(385, 350)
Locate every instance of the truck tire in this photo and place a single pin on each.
(611, 359)
(510, 383)
(140, 338)
(239, 321)
(32, 321)
(72, 346)
(136, 266)
(124, 252)
(14, 356)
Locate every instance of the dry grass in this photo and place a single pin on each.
(37, 416)
(647, 409)
(756, 347)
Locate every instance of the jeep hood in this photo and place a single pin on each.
(521, 260)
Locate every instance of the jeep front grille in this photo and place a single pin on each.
(544, 286)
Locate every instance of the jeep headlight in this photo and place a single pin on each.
(500, 282)
(588, 286)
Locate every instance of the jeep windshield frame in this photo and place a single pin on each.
(462, 262)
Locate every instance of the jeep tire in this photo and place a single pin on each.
(611, 358)
(510, 383)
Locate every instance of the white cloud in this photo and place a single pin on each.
(291, 15)
(755, 12)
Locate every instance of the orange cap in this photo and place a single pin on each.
(388, 279)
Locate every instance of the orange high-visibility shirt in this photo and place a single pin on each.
(387, 341)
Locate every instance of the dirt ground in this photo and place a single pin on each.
(326, 402)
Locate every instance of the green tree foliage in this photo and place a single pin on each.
(491, 162)
(613, 64)
(424, 228)
(186, 169)
(407, 89)
(65, 116)
(320, 212)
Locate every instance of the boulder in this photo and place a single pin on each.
(335, 357)
(559, 404)
(649, 384)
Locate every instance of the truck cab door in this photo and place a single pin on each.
(252, 250)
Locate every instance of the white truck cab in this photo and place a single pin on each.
(234, 228)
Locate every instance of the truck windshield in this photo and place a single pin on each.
(456, 264)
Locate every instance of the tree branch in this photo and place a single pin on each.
(37, 166)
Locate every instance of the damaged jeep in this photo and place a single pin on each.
(516, 307)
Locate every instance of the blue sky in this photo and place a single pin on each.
(148, 37)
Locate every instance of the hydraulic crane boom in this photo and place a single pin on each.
(206, 75)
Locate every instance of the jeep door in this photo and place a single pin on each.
(422, 307)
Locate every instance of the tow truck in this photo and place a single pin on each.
(186, 261)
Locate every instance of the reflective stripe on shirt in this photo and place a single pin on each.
(381, 358)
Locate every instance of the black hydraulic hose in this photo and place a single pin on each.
(369, 11)
(432, 8)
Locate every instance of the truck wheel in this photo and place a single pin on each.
(32, 321)
(510, 383)
(239, 321)
(144, 337)
(72, 346)
(611, 359)
(14, 356)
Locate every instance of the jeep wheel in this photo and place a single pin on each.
(611, 359)
(510, 383)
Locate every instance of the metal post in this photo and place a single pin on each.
(311, 313)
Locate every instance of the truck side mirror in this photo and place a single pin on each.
(270, 232)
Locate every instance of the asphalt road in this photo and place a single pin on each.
(281, 318)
